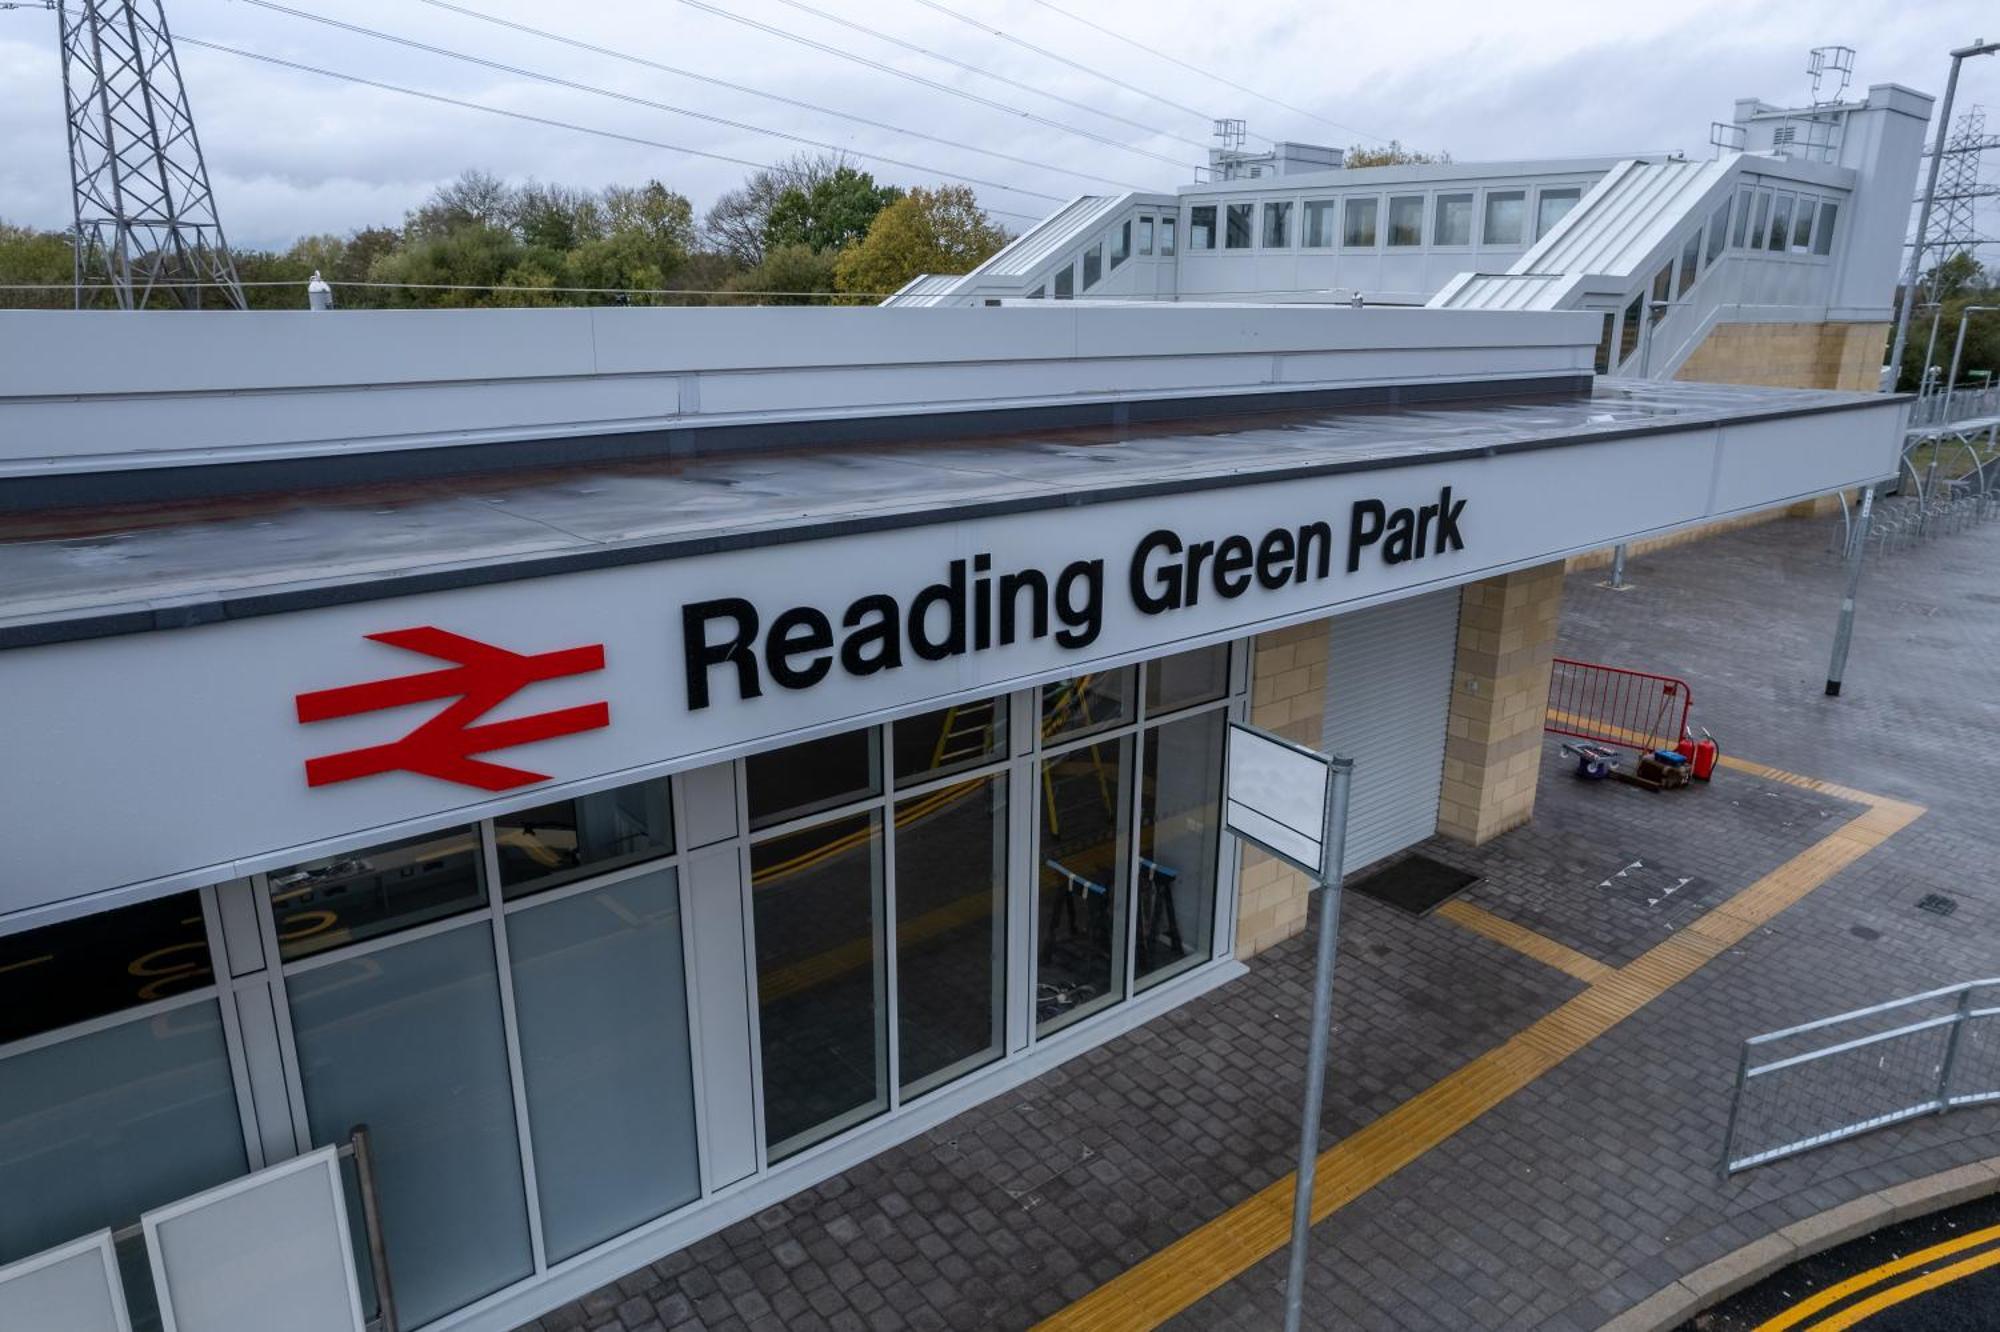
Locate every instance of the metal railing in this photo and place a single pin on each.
(1826, 1081)
(1936, 407)
(1614, 706)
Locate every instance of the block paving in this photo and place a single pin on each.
(1595, 1185)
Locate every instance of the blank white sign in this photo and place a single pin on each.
(1275, 795)
(269, 1249)
(70, 1288)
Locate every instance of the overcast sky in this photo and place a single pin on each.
(294, 153)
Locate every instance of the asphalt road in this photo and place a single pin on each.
(1938, 1273)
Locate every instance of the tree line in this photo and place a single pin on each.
(1959, 281)
(811, 230)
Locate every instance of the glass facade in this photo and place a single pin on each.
(511, 1007)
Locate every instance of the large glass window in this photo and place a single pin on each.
(1083, 872)
(1167, 237)
(804, 779)
(1277, 224)
(1690, 263)
(1802, 224)
(1823, 236)
(951, 888)
(1454, 220)
(1406, 219)
(1145, 235)
(344, 899)
(558, 843)
(1180, 830)
(600, 1004)
(1628, 331)
(1093, 265)
(1552, 206)
(1237, 235)
(408, 1039)
(821, 1009)
(1319, 224)
(1663, 291)
(1201, 227)
(1759, 213)
(1739, 226)
(1121, 243)
(1506, 218)
(948, 740)
(98, 1128)
(1065, 283)
(1357, 223)
(68, 973)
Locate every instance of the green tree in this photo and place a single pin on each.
(926, 231)
(788, 269)
(475, 198)
(829, 214)
(37, 269)
(456, 268)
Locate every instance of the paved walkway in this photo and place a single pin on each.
(1546, 1122)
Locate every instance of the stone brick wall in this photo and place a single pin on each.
(1829, 356)
(1500, 690)
(1288, 696)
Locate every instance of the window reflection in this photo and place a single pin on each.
(343, 899)
(809, 778)
(1187, 678)
(1236, 232)
(1179, 830)
(951, 877)
(953, 739)
(554, 844)
(1082, 871)
(82, 969)
(1086, 703)
(817, 898)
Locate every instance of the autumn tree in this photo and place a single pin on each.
(1394, 154)
(830, 213)
(926, 231)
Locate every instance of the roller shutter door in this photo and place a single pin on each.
(1388, 691)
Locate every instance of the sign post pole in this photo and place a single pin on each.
(1322, 1024)
(1292, 802)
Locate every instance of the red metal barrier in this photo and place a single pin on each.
(1614, 706)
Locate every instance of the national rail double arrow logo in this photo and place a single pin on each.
(483, 677)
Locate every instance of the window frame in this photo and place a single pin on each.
(1389, 223)
(1247, 210)
(1470, 198)
(1487, 199)
(1281, 211)
(1372, 205)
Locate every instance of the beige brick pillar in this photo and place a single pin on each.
(1288, 696)
(1499, 692)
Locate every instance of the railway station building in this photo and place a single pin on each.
(642, 762)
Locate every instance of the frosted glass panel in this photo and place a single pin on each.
(408, 1040)
(83, 1123)
(600, 1003)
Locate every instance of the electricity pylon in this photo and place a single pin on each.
(145, 215)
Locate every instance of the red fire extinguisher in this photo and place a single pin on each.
(1702, 755)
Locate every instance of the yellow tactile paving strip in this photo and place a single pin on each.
(1524, 940)
(1173, 1279)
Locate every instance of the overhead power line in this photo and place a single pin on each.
(626, 56)
(597, 91)
(524, 116)
(857, 58)
(1205, 73)
(1043, 51)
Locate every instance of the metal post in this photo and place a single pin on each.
(1927, 384)
(1618, 567)
(1735, 1103)
(1329, 929)
(371, 1224)
(1845, 633)
(1958, 354)
(1964, 1015)
(1923, 223)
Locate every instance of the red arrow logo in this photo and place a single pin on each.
(484, 677)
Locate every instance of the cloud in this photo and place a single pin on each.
(294, 153)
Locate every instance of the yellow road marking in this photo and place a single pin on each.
(1174, 1278)
(1910, 1289)
(1861, 1281)
(837, 961)
(1525, 941)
